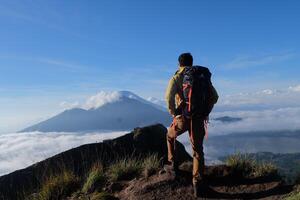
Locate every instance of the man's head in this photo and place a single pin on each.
(185, 59)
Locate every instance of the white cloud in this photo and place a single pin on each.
(102, 98)
(156, 101)
(248, 61)
(19, 150)
(259, 120)
(268, 92)
(66, 105)
(295, 88)
(267, 98)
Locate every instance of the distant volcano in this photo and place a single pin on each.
(126, 111)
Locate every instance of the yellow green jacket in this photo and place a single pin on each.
(174, 95)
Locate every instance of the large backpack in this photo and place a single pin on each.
(196, 91)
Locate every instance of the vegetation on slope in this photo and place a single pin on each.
(288, 165)
(295, 195)
(95, 179)
(66, 184)
(248, 167)
(58, 186)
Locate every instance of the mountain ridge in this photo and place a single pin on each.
(122, 113)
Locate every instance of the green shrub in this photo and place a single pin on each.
(246, 166)
(58, 186)
(295, 196)
(240, 163)
(95, 178)
(124, 169)
(265, 169)
(151, 164)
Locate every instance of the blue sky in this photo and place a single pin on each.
(55, 51)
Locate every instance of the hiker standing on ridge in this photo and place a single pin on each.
(190, 97)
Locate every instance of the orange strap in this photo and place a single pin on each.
(184, 86)
(190, 97)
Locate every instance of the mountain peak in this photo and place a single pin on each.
(103, 97)
(120, 110)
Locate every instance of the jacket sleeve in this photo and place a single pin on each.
(170, 96)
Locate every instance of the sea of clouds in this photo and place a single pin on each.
(19, 150)
(258, 120)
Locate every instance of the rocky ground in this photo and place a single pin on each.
(222, 185)
(221, 181)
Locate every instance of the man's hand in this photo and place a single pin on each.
(206, 119)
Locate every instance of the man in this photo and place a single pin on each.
(181, 123)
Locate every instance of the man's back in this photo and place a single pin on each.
(174, 92)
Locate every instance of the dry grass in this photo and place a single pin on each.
(124, 169)
(295, 195)
(240, 163)
(265, 169)
(66, 184)
(58, 186)
(95, 179)
(248, 167)
(151, 164)
(131, 167)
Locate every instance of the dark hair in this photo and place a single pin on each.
(185, 59)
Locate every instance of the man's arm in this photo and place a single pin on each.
(170, 96)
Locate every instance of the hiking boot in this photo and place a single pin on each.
(171, 167)
(199, 188)
(196, 190)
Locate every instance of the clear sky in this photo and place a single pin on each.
(55, 51)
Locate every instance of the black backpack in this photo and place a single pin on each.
(196, 91)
